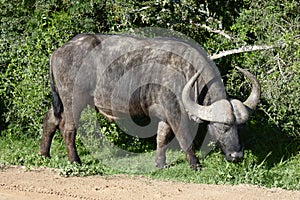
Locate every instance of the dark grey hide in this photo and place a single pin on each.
(129, 77)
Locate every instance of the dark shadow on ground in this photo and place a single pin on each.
(268, 143)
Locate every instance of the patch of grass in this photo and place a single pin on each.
(271, 163)
(286, 174)
(23, 150)
(86, 169)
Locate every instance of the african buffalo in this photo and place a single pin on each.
(131, 77)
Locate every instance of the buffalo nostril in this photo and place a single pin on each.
(235, 156)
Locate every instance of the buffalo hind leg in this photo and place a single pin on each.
(69, 135)
(164, 136)
(50, 124)
(72, 115)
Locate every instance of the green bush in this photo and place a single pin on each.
(32, 30)
(274, 23)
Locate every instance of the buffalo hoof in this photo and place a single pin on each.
(76, 161)
(196, 167)
(161, 165)
(47, 155)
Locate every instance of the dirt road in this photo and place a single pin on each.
(17, 183)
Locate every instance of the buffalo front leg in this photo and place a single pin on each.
(164, 136)
(187, 145)
(50, 124)
(192, 158)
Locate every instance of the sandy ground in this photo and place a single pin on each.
(16, 183)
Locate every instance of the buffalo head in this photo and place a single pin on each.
(224, 116)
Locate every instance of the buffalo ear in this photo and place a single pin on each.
(240, 111)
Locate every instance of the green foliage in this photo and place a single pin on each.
(30, 32)
(276, 23)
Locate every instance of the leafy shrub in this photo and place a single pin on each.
(274, 23)
(31, 30)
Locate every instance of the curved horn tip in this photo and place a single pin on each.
(240, 69)
(254, 97)
(244, 71)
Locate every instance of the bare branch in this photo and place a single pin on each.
(216, 31)
(211, 18)
(240, 50)
(213, 30)
(279, 62)
(143, 8)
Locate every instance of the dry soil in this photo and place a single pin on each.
(17, 183)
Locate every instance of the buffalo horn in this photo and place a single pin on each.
(252, 101)
(220, 111)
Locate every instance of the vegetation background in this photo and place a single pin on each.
(32, 29)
